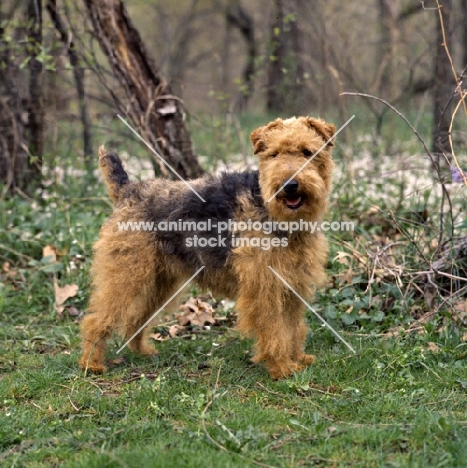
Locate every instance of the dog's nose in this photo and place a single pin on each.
(291, 187)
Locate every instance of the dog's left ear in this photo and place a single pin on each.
(326, 130)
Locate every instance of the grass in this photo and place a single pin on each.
(200, 403)
(399, 401)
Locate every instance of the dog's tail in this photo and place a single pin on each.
(115, 176)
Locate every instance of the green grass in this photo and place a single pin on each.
(398, 402)
(201, 403)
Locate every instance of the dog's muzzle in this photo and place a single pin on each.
(292, 199)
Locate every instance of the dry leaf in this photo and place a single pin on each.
(9, 272)
(372, 210)
(347, 277)
(459, 312)
(343, 258)
(196, 312)
(158, 337)
(117, 361)
(433, 347)
(461, 306)
(50, 251)
(175, 330)
(62, 294)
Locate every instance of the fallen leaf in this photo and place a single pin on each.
(347, 277)
(50, 251)
(175, 330)
(117, 361)
(158, 337)
(459, 312)
(196, 312)
(342, 257)
(433, 347)
(62, 294)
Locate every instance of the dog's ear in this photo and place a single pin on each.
(257, 136)
(326, 130)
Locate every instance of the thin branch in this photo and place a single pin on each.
(436, 166)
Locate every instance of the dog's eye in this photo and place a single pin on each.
(273, 155)
(306, 152)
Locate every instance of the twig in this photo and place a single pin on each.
(19, 254)
(402, 116)
(453, 68)
(267, 389)
(442, 273)
(435, 165)
(74, 406)
(376, 259)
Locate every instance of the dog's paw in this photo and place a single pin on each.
(306, 359)
(281, 370)
(148, 350)
(145, 349)
(94, 367)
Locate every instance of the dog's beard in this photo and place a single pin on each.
(307, 203)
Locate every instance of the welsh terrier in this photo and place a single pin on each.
(240, 234)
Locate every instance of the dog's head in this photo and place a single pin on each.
(295, 166)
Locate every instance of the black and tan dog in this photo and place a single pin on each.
(136, 271)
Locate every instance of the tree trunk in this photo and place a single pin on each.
(444, 83)
(237, 16)
(275, 91)
(151, 106)
(78, 73)
(36, 100)
(464, 32)
(285, 92)
(13, 155)
(389, 14)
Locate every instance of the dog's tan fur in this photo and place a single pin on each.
(134, 273)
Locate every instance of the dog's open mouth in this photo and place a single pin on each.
(293, 201)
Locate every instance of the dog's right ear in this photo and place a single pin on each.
(257, 136)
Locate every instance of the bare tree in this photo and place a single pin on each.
(389, 16)
(13, 158)
(78, 72)
(36, 99)
(445, 84)
(151, 105)
(285, 72)
(239, 18)
(464, 31)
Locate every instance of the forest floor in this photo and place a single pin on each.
(400, 400)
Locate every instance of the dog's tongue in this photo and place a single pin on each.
(293, 201)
